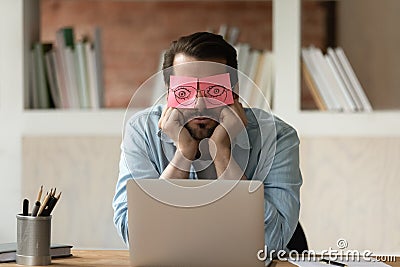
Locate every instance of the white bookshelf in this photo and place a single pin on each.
(73, 122)
(286, 46)
(17, 30)
(287, 50)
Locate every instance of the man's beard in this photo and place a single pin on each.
(203, 132)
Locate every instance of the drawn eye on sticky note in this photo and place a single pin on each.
(182, 92)
(216, 91)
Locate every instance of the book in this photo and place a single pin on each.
(42, 87)
(338, 73)
(345, 79)
(353, 79)
(327, 82)
(313, 88)
(246, 85)
(332, 81)
(243, 51)
(82, 75)
(312, 67)
(8, 251)
(266, 80)
(73, 89)
(159, 89)
(50, 58)
(223, 30)
(333, 84)
(99, 65)
(33, 88)
(63, 39)
(67, 74)
(233, 35)
(92, 79)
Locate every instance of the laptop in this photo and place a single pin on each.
(180, 222)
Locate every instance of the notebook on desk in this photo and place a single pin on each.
(195, 222)
(8, 251)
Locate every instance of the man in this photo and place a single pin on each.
(237, 142)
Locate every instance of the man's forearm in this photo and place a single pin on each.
(178, 168)
(226, 167)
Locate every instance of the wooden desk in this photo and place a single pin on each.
(119, 258)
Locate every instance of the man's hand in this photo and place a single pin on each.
(232, 121)
(172, 124)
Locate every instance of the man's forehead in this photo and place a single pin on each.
(219, 79)
(199, 69)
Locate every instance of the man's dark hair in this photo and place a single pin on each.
(203, 46)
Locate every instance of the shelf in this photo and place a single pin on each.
(373, 124)
(307, 123)
(286, 46)
(72, 122)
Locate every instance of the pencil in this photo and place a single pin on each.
(52, 203)
(39, 194)
(44, 204)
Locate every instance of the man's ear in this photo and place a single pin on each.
(166, 87)
(235, 92)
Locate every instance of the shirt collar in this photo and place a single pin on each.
(164, 137)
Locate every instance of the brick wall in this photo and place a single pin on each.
(134, 32)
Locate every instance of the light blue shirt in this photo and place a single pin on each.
(267, 150)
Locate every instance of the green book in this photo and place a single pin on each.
(68, 34)
(42, 83)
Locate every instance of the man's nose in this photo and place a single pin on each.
(200, 101)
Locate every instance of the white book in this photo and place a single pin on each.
(265, 81)
(71, 77)
(255, 75)
(242, 55)
(28, 91)
(243, 50)
(99, 65)
(336, 86)
(50, 59)
(34, 83)
(246, 91)
(345, 79)
(233, 35)
(42, 91)
(82, 75)
(159, 91)
(353, 79)
(62, 70)
(312, 66)
(223, 29)
(328, 79)
(61, 78)
(92, 80)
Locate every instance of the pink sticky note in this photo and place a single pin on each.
(182, 92)
(216, 91)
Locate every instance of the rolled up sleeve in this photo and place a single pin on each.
(282, 181)
(135, 163)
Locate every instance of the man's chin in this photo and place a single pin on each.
(199, 131)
